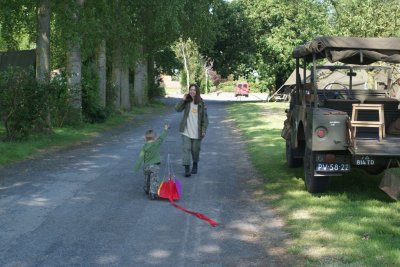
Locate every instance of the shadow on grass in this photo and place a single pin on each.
(354, 223)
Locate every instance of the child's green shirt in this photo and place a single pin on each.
(150, 153)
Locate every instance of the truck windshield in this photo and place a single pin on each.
(353, 77)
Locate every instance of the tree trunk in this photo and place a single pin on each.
(185, 61)
(102, 72)
(43, 42)
(74, 69)
(140, 83)
(125, 96)
(116, 76)
(206, 76)
(43, 49)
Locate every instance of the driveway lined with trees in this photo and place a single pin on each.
(85, 206)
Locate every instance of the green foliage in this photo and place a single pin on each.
(17, 21)
(261, 34)
(167, 61)
(111, 95)
(91, 108)
(188, 50)
(156, 91)
(234, 50)
(23, 103)
(60, 100)
(279, 27)
(198, 21)
(373, 18)
(67, 135)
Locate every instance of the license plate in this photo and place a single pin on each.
(364, 161)
(332, 167)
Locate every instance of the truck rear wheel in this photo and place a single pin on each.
(314, 184)
(291, 161)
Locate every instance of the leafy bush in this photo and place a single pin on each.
(23, 103)
(156, 91)
(60, 100)
(92, 110)
(111, 94)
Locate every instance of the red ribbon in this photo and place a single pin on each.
(198, 215)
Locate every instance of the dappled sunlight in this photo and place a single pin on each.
(82, 199)
(302, 215)
(13, 185)
(270, 197)
(249, 231)
(87, 166)
(35, 201)
(319, 234)
(106, 156)
(321, 252)
(352, 219)
(210, 249)
(297, 193)
(159, 253)
(277, 251)
(107, 260)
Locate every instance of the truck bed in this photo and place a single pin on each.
(368, 144)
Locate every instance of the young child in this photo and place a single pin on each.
(151, 159)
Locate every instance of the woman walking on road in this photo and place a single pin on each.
(192, 127)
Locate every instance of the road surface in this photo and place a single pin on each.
(84, 206)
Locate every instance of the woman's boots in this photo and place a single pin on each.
(187, 170)
(194, 168)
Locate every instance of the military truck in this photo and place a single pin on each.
(339, 114)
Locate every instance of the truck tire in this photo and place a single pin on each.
(314, 184)
(291, 161)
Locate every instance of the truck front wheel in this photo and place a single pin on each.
(314, 184)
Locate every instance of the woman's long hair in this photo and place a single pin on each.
(197, 97)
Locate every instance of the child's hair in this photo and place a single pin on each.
(150, 135)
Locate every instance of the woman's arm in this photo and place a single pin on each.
(204, 121)
(180, 105)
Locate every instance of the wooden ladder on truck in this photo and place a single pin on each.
(380, 123)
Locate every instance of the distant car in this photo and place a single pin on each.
(242, 89)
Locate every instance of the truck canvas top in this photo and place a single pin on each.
(351, 50)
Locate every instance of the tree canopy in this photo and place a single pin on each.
(108, 47)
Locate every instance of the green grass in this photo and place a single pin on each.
(63, 137)
(353, 224)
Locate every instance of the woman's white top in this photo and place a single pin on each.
(192, 128)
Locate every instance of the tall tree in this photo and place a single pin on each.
(122, 42)
(97, 21)
(43, 42)
(366, 18)
(234, 52)
(140, 84)
(74, 58)
(101, 64)
(259, 36)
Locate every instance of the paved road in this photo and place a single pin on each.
(85, 207)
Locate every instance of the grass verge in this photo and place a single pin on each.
(353, 224)
(65, 136)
